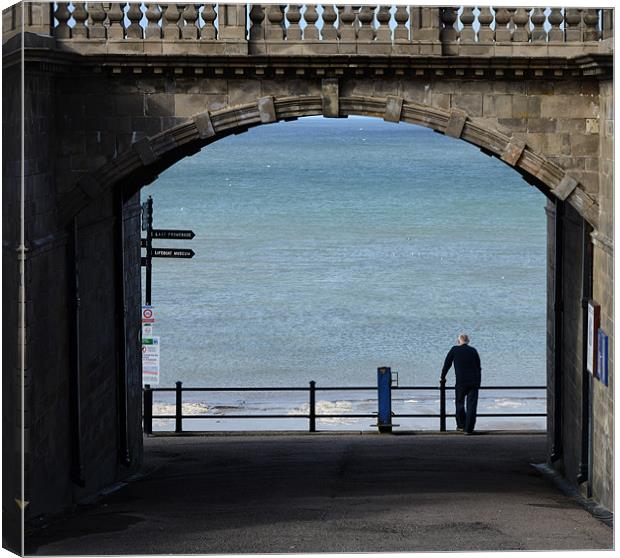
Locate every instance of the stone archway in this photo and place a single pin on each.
(141, 164)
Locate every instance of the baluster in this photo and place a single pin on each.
(134, 15)
(311, 32)
(153, 15)
(539, 35)
(556, 35)
(207, 33)
(448, 31)
(503, 33)
(171, 16)
(521, 21)
(257, 16)
(485, 34)
(116, 17)
(294, 16)
(80, 15)
(401, 33)
(590, 21)
(329, 31)
(572, 25)
(275, 23)
(366, 32)
(468, 35)
(348, 32)
(62, 14)
(383, 32)
(97, 15)
(190, 15)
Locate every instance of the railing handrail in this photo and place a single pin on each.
(312, 415)
(263, 25)
(331, 388)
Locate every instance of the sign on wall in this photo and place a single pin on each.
(594, 319)
(150, 360)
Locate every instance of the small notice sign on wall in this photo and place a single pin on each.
(603, 356)
(594, 319)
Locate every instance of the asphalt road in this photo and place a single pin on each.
(331, 493)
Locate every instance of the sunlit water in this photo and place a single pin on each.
(326, 248)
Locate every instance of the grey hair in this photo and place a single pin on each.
(464, 338)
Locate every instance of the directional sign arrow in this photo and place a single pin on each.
(172, 253)
(172, 233)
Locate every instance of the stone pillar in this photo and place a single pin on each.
(232, 28)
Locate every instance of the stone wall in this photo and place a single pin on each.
(603, 474)
(81, 118)
(11, 408)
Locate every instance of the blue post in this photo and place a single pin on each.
(384, 397)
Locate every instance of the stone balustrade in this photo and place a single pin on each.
(153, 28)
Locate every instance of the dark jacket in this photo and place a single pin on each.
(466, 365)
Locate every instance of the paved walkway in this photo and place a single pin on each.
(332, 493)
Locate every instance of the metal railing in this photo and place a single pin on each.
(312, 415)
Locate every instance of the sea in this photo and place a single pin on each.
(326, 248)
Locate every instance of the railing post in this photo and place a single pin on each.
(312, 407)
(442, 405)
(179, 408)
(148, 409)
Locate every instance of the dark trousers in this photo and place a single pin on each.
(466, 394)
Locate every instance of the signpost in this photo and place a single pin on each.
(150, 343)
(151, 252)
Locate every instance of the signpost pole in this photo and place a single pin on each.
(149, 240)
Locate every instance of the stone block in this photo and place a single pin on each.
(204, 125)
(189, 104)
(330, 98)
(514, 124)
(213, 86)
(571, 125)
(471, 104)
(539, 87)
(455, 125)
(565, 187)
(584, 145)
(497, 105)
(243, 91)
(525, 106)
(546, 125)
(266, 110)
(393, 108)
(560, 105)
(216, 102)
(160, 104)
(440, 100)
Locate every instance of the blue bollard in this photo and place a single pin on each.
(384, 396)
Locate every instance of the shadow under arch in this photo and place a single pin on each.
(142, 163)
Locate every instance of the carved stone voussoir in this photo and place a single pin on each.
(329, 97)
(145, 151)
(204, 125)
(565, 188)
(393, 109)
(456, 123)
(267, 110)
(513, 151)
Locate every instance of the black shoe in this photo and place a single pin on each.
(460, 429)
(470, 433)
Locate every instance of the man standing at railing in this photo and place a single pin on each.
(467, 370)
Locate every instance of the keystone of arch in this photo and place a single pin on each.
(187, 138)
